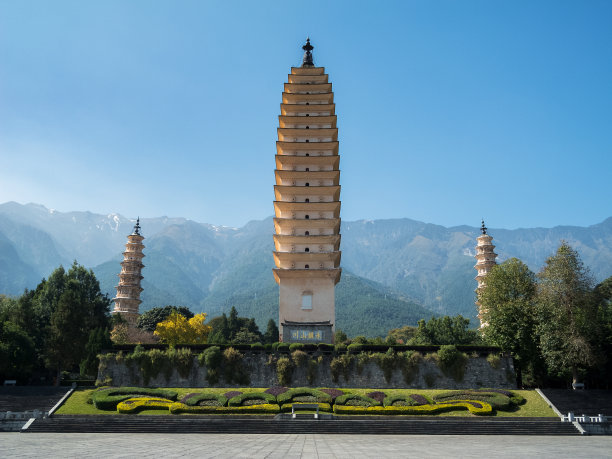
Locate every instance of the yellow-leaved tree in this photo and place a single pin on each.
(177, 329)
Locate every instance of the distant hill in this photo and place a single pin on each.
(395, 271)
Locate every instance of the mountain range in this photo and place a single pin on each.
(394, 271)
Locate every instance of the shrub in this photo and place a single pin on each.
(494, 360)
(355, 348)
(333, 393)
(284, 370)
(257, 347)
(406, 400)
(362, 359)
(410, 366)
(255, 398)
(276, 390)
(134, 405)
(324, 347)
(341, 364)
(274, 346)
(234, 370)
(182, 360)
(340, 348)
(484, 409)
(204, 398)
(212, 358)
(387, 362)
(430, 379)
(452, 362)
(356, 400)
(283, 347)
(232, 393)
(299, 357)
(295, 346)
(377, 395)
(497, 400)
(312, 370)
(300, 393)
(178, 408)
(108, 398)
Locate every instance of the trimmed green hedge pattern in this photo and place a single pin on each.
(107, 398)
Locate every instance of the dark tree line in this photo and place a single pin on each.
(61, 325)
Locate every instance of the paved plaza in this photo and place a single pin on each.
(300, 446)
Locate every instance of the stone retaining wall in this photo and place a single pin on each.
(262, 373)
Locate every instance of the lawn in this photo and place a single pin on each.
(534, 406)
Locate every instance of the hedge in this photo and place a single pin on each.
(294, 395)
(195, 399)
(356, 400)
(485, 409)
(410, 400)
(239, 400)
(178, 408)
(108, 398)
(498, 400)
(134, 405)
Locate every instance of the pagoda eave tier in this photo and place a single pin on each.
(289, 148)
(313, 223)
(314, 257)
(333, 239)
(283, 206)
(305, 88)
(331, 273)
(286, 176)
(285, 162)
(287, 190)
(308, 99)
(285, 120)
(312, 79)
(311, 109)
(307, 70)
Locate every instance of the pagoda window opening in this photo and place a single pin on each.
(307, 114)
(307, 200)
(306, 233)
(308, 169)
(307, 140)
(306, 217)
(307, 154)
(306, 249)
(306, 266)
(307, 184)
(307, 127)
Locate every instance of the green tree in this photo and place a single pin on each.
(17, 352)
(149, 320)
(98, 340)
(401, 335)
(508, 302)
(271, 334)
(568, 322)
(445, 330)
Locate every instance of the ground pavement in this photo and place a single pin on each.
(300, 446)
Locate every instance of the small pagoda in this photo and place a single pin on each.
(128, 300)
(307, 205)
(485, 260)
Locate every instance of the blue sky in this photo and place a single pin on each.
(447, 110)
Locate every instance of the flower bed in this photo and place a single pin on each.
(406, 400)
(267, 408)
(107, 398)
(484, 409)
(498, 400)
(356, 400)
(305, 395)
(204, 399)
(252, 398)
(134, 405)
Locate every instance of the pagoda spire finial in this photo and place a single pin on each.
(483, 228)
(137, 226)
(307, 61)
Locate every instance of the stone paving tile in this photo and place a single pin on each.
(298, 446)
